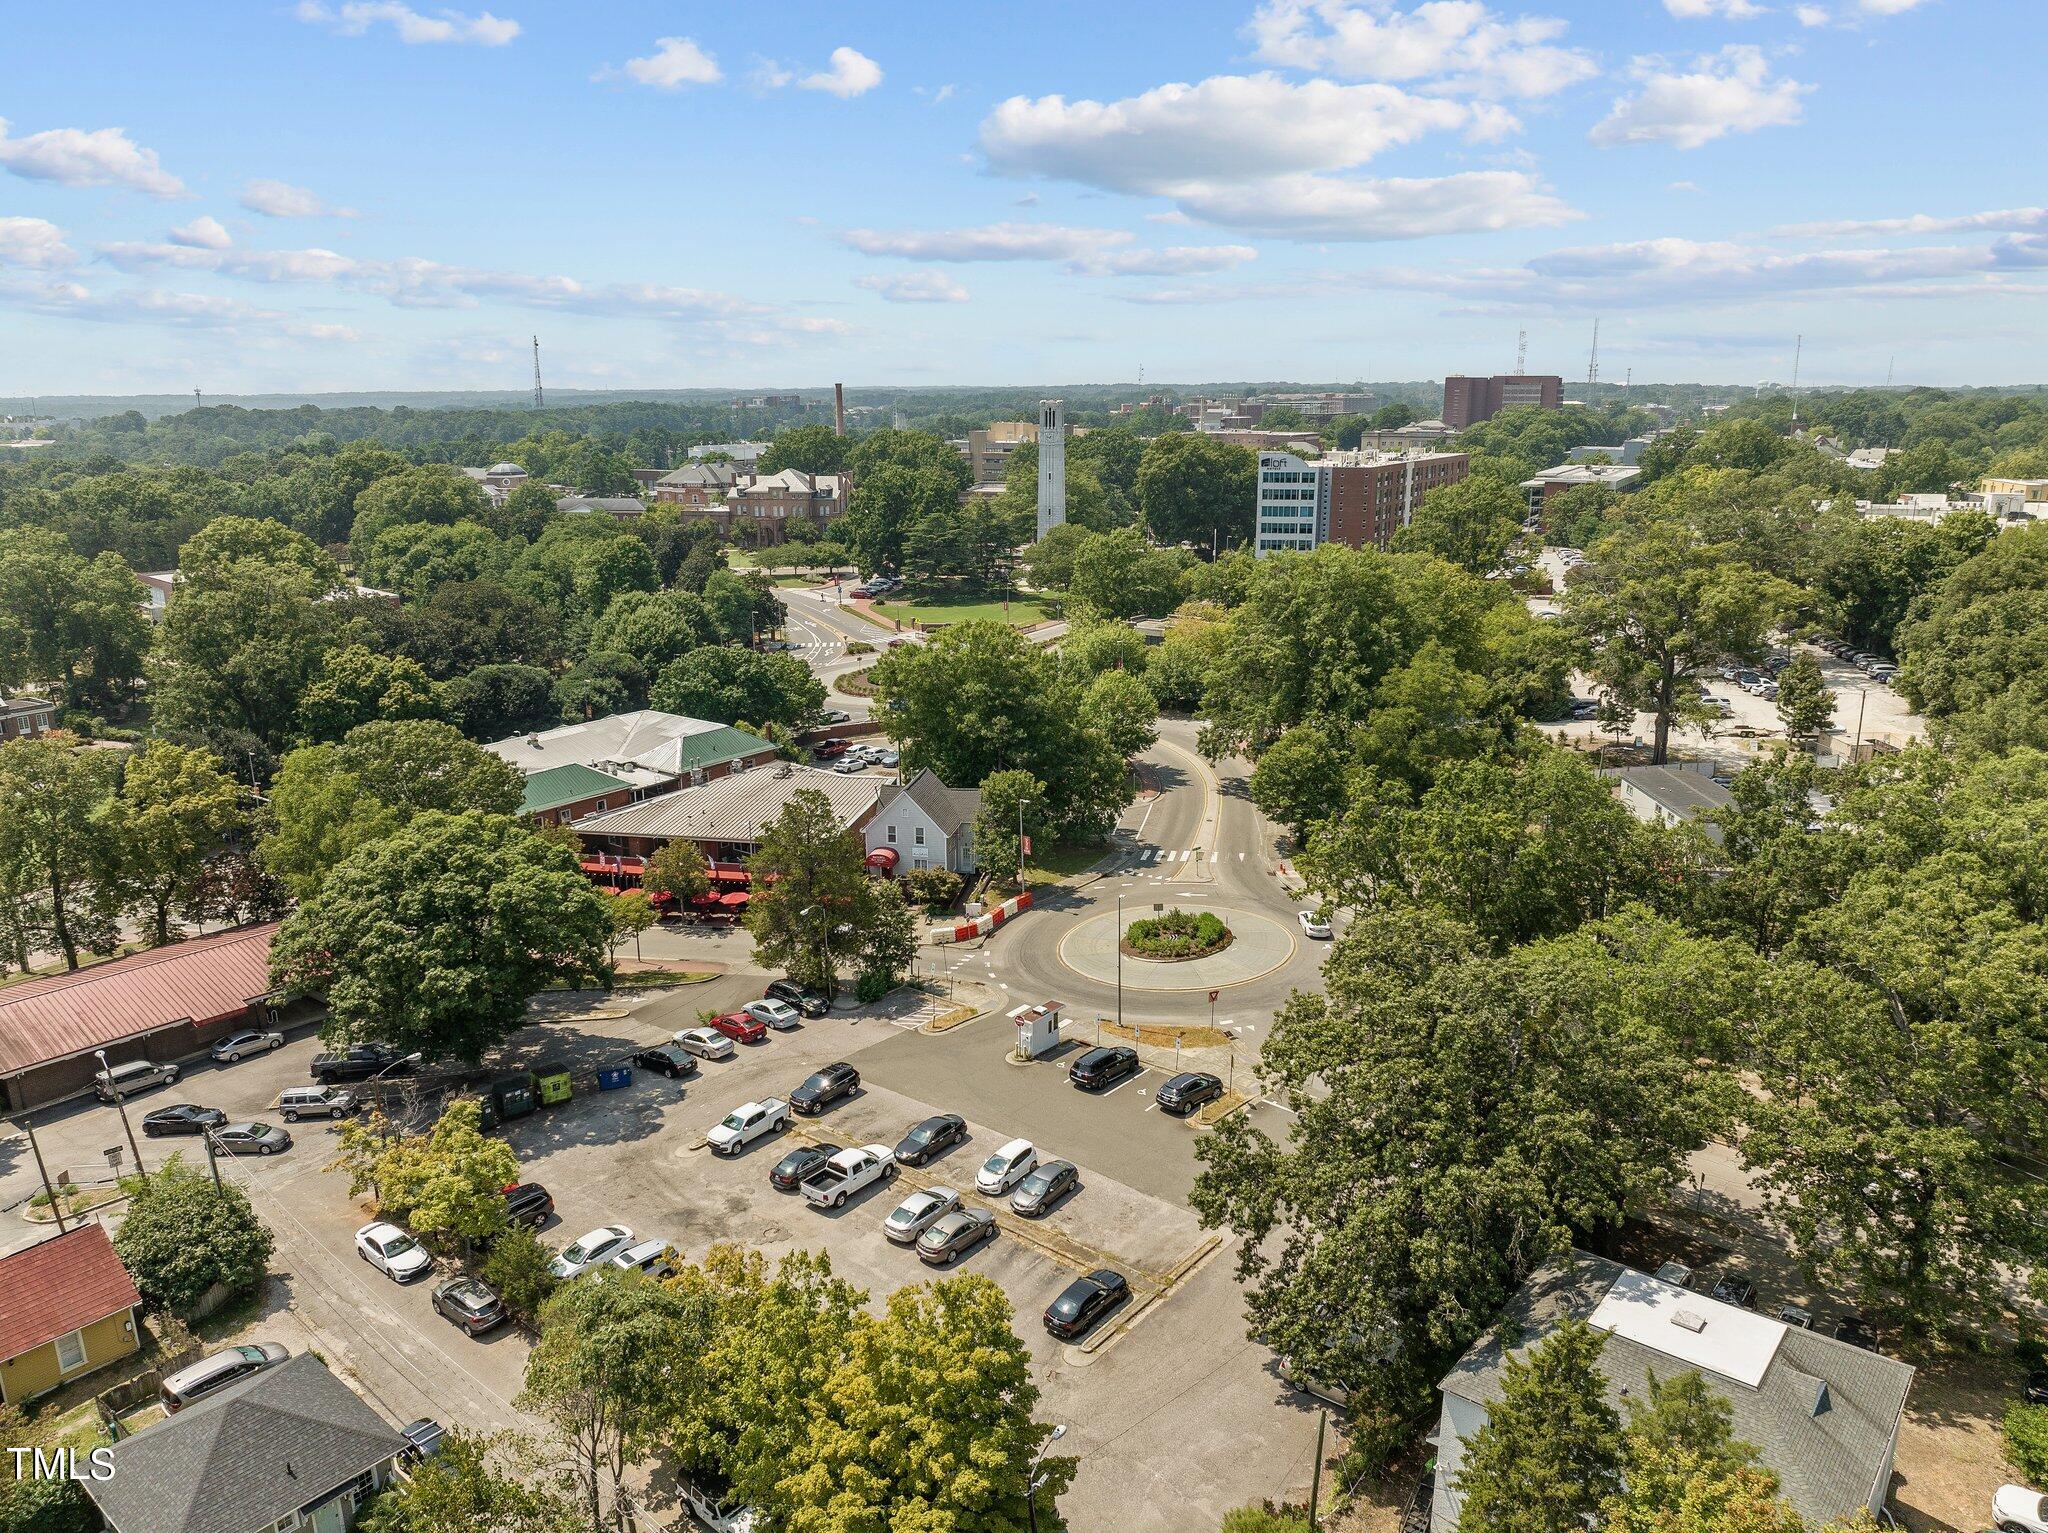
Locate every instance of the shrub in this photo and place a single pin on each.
(517, 1270)
(2026, 1441)
(1177, 934)
(183, 1236)
(872, 986)
(860, 647)
(934, 888)
(1266, 1518)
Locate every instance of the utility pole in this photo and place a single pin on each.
(121, 1103)
(539, 398)
(1315, 1470)
(28, 1121)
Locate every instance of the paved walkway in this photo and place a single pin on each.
(1262, 946)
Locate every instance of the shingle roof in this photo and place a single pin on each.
(947, 808)
(568, 784)
(736, 808)
(1827, 1461)
(205, 979)
(280, 1440)
(60, 1286)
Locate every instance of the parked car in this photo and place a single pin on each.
(593, 1250)
(2015, 1509)
(825, 750)
(296, 1102)
(1313, 925)
(197, 1380)
(1006, 1168)
(1084, 1301)
(252, 1138)
(393, 1252)
(779, 1015)
(885, 757)
(237, 1046)
(846, 766)
(126, 1080)
(470, 1304)
(918, 1212)
(361, 1062)
(1856, 1331)
(1098, 1067)
(789, 992)
(835, 716)
(656, 1258)
(925, 1140)
(824, 1087)
(670, 1059)
(711, 1506)
(422, 1439)
(746, 1123)
(799, 1163)
(185, 1118)
(846, 1173)
(1188, 1090)
(1677, 1274)
(1794, 1315)
(2035, 1390)
(953, 1235)
(528, 1203)
(1734, 1288)
(1584, 708)
(704, 1042)
(739, 1027)
(1037, 1193)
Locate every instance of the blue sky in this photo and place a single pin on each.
(342, 194)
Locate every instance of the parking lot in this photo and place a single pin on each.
(1173, 1414)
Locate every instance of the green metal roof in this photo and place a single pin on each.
(568, 785)
(712, 747)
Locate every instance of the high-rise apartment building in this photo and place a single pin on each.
(1468, 401)
(1359, 499)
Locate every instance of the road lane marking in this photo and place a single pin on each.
(1141, 1074)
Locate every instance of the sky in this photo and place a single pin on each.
(360, 194)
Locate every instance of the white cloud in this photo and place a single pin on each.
(185, 311)
(355, 17)
(851, 73)
(1170, 216)
(33, 242)
(938, 96)
(1890, 7)
(1727, 10)
(1812, 15)
(87, 157)
(1727, 92)
(1456, 45)
(1308, 207)
(203, 233)
(2010, 220)
(1684, 186)
(674, 63)
(1169, 261)
(280, 199)
(987, 242)
(915, 287)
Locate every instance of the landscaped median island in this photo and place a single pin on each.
(1177, 935)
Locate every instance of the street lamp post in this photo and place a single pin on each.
(1119, 957)
(1031, 1480)
(121, 1103)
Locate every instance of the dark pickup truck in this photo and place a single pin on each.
(360, 1062)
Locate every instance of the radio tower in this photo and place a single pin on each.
(1798, 351)
(1593, 364)
(539, 398)
(1522, 354)
(197, 402)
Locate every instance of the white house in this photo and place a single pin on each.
(927, 825)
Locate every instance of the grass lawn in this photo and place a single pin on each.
(1064, 859)
(939, 607)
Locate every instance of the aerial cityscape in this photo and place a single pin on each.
(1275, 767)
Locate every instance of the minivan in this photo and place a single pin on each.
(126, 1080)
(657, 1258)
(1007, 1167)
(298, 1102)
(202, 1378)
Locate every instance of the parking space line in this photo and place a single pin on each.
(1147, 1070)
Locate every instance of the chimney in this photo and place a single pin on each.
(839, 408)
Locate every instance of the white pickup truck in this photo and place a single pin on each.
(743, 1125)
(847, 1173)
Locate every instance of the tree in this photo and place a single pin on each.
(472, 1484)
(517, 1269)
(1051, 558)
(603, 682)
(233, 888)
(1092, 648)
(434, 937)
(1470, 523)
(449, 1181)
(473, 623)
(356, 686)
(495, 702)
(1805, 705)
(430, 493)
(808, 884)
(416, 559)
(886, 504)
(1550, 1452)
(1197, 490)
(631, 912)
(67, 620)
(1684, 1471)
(677, 869)
(654, 627)
(1658, 605)
(52, 800)
(1119, 709)
(176, 807)
(1119, 575)
(732, 686)
(1264, 1519)
(1009, 801)
(1299, 779)
(812, 449)
(615, 1363)
(182, 1237)
(888, 936)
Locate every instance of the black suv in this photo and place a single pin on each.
(360, 1062)
(528, 1203)
(1184, 1093)
(790, 993)
(824, 1088)
(1098, 1067)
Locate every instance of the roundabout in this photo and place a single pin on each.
(1259, 945)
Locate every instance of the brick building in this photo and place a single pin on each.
(1468, 401)
(22, 717)
(1359, 499)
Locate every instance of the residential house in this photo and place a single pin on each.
(1824, 1415)
(726, 817)
(162, 1004)
(67, 1306)
(22, 717)
(925, 824)
(291, 1449)
(1670, 795)
(647, 750)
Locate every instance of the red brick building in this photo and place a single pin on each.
(1468, 401)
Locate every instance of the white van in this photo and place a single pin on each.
(1006, 1168)
(126, 1080)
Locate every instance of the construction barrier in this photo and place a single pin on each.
(982, 925)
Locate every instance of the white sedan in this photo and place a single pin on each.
(2015, 1509)
(779, 1015)
(919, 1211)
(704, 1042)
(1314, 925)
(392, 1252)
(593, 1250)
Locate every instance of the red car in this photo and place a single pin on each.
(740, 1027)
(825, 750)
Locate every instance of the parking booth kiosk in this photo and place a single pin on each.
(1038, 1028)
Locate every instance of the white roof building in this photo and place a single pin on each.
(647, 748)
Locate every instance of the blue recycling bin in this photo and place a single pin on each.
(612, 1077)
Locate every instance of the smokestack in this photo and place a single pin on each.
(839, 408)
